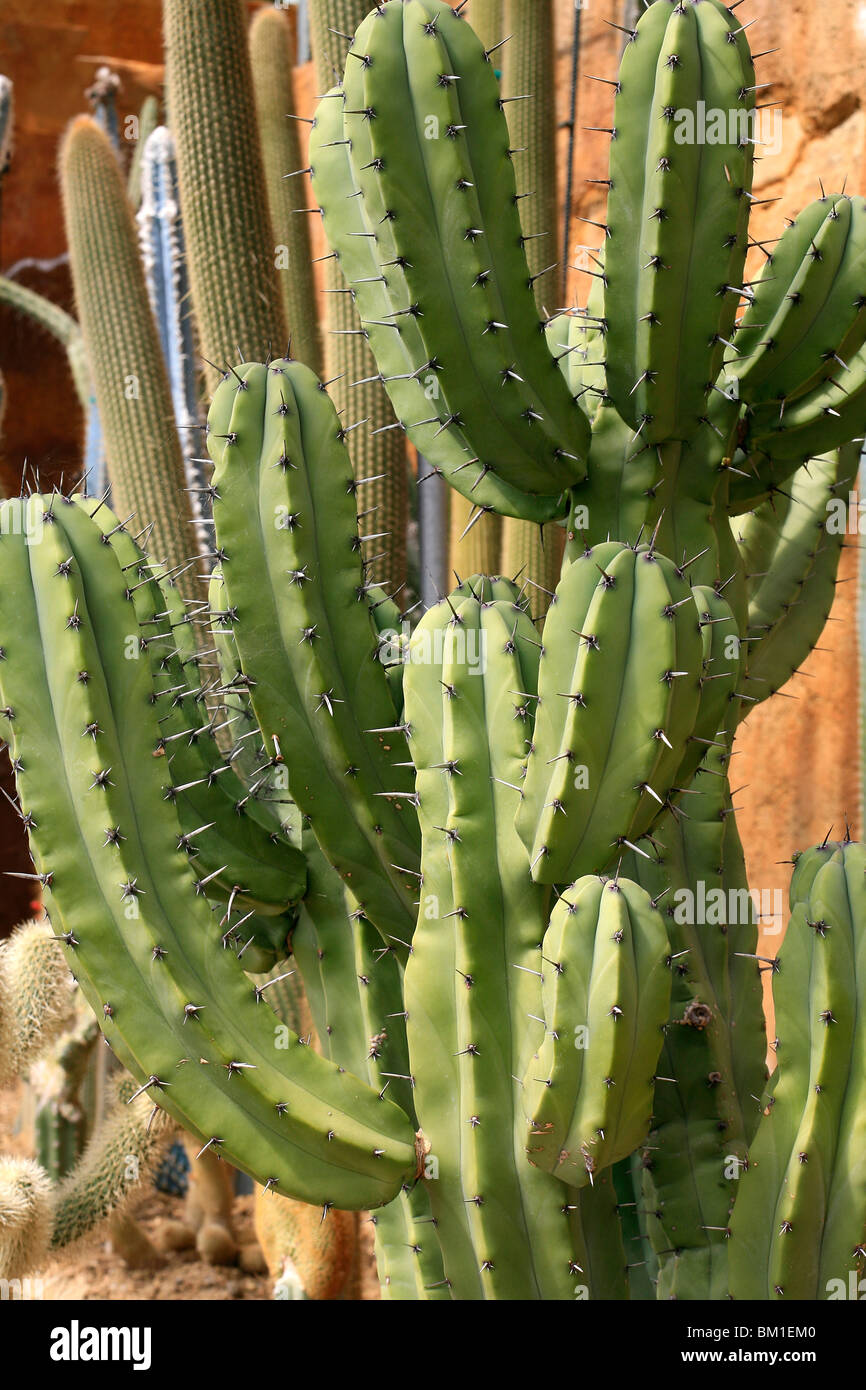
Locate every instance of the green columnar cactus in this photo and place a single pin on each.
(472, 982)
(528, 63)
(123, 351)
(799, 1224)
(324, 706)
(271, 60)
(511, 836)
(377, 446)
(612, 974)
(223, 199)
(300, 1106)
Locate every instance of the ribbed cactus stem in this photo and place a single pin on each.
(230, 241)
(129, 374)
(529, 69)
(272, 45)
(348, 358)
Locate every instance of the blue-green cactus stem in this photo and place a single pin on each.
(287, 535)
(177, 1009)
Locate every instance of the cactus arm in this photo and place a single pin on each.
(434, 1041)
(642, 1264)
(591, 1105)
(316, 689)
(355, 993)
(514, 1237)
(791, 596)
(211, 113)
(588, 653)
(790, 1234)
(271, 64)
(813, 424)
(604, 1261)
(705, 1115)
(808, 315)
(415, 395)
(404, 70)
(153, 964)
(237, 845)
(675, 218)
(59, 324)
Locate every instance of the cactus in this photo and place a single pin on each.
(482, 839)
(475, 543)
(529, 71)
(36, 1003)
(40, 1219)
(799, 1224)
(39, 1214)
(123, 351)
(271, 60)
(163, 254)
(211, 114)
(148, 120)
(377, 447)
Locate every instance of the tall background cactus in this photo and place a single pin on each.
(273, 43)
(377, 447)
(528, 63)
(230, 239)
(123, 349)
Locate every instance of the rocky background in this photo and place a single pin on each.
(798, 763)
